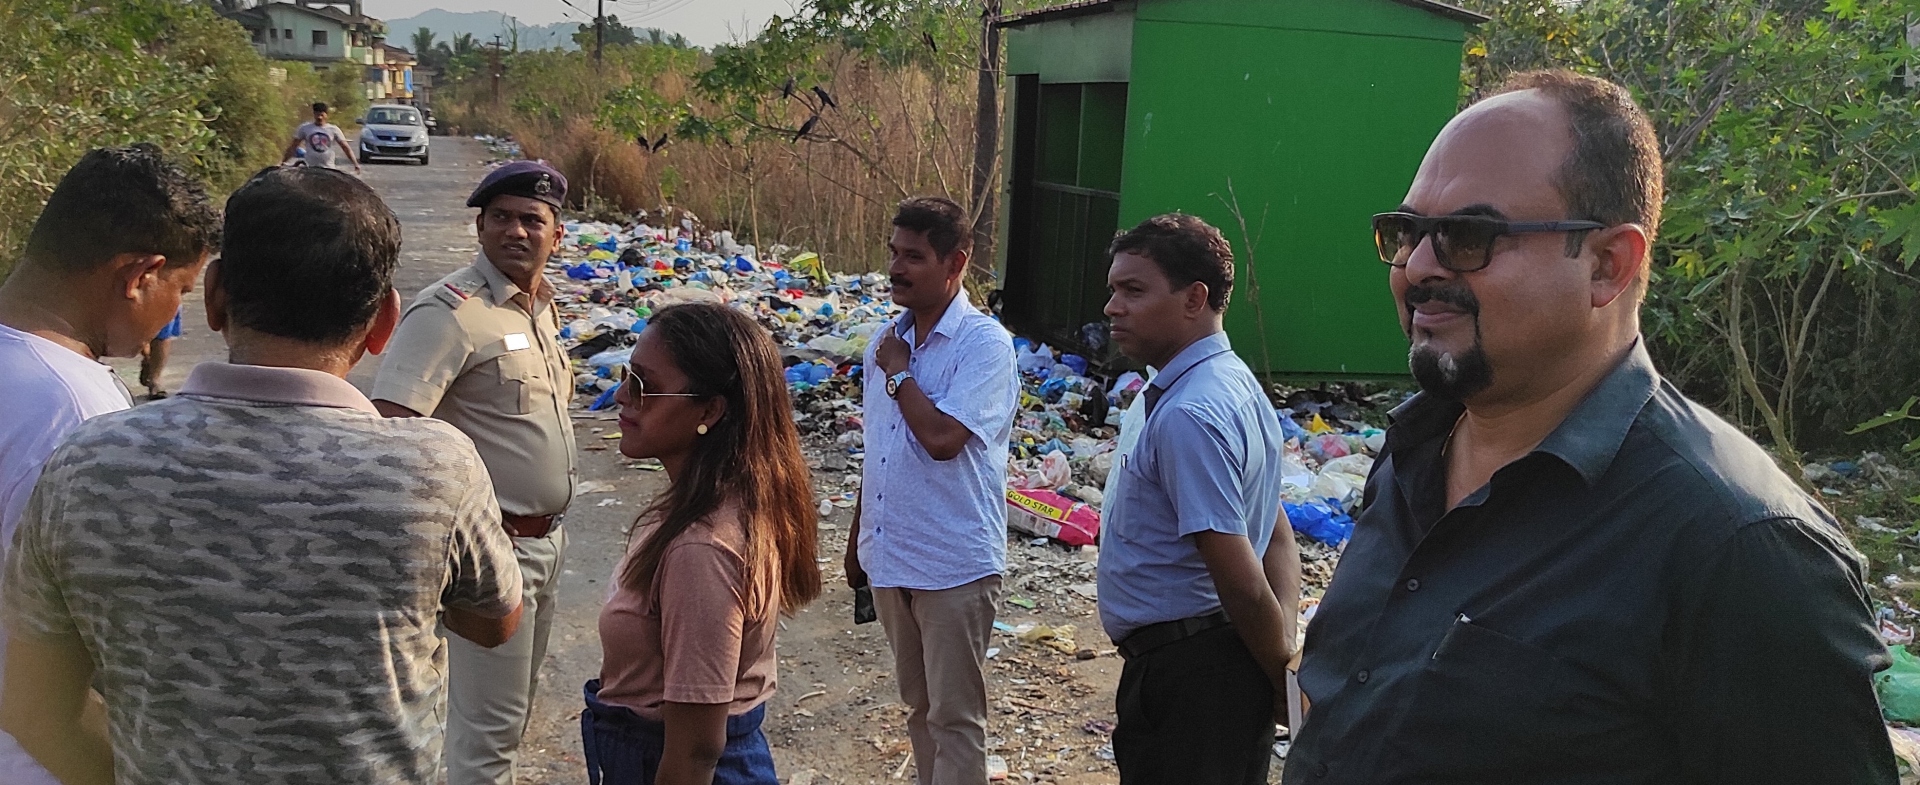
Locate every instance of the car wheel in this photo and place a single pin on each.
(424, 158)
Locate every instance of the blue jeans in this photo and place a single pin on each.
(624, 748)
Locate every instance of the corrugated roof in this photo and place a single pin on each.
(1089, 7)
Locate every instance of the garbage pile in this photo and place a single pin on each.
(611, 278)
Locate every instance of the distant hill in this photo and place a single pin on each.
(483, 25)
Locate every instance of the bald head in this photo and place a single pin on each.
(1613, 172)
(1554, 148)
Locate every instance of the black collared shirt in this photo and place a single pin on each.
(1644, 598)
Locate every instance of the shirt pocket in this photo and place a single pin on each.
(521, 377)
(1484, 703)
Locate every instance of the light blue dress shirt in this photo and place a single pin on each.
(1208, 460)
(927, 524)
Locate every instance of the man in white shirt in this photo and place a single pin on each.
(323, 141)
(121, 240)
(931, 529)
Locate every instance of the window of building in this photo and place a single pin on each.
(273, 33)
(287, 34)
(319, 38)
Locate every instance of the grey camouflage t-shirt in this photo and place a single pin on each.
(259, 585)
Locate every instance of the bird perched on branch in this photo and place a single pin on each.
(824, 98)
(786, 90)
(662, 142)
(927, 38)
(653, 146)
(806, 128)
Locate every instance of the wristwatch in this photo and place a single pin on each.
(894, 382)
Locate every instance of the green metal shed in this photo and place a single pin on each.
(1311, 114)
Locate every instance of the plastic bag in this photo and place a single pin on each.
(1040, 358)
(1054, 469)
(1899, 687)
(1328, 526)
(1342, 481)
(1326, 447)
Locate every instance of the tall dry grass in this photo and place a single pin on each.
(898, 131)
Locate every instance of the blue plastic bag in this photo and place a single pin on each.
(605, 400)
(581, 272)
(1290, 429)
(1330, 527)
(1076, 362)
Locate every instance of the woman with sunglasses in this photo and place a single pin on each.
(687, 635)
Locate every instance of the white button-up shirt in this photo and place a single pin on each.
(928, 524)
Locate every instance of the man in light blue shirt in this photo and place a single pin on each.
(1199, 574)
(930, 534)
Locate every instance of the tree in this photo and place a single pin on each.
(423, 49)
(1782, 290)
(617, 34)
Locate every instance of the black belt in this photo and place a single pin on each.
(1154, 636)
(529, 525)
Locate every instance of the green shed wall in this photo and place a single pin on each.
(1096, 48)
(1318, 112)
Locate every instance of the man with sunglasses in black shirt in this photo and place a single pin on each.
(1567, 572)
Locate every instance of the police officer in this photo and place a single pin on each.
(480, 349)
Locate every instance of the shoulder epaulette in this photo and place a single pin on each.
(458, 287)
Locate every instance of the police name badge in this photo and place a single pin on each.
(517, 341)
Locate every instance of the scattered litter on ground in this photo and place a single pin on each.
(610, 280)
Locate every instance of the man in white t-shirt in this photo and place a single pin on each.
(121, 240)
(323, 141)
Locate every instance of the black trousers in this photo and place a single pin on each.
(1198, 711)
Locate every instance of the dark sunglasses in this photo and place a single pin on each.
(1461, 243)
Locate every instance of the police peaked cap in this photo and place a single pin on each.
(528, 179)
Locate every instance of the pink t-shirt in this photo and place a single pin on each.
(691, 638)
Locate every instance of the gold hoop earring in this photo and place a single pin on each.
(702, 430)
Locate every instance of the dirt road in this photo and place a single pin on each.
(836, 717)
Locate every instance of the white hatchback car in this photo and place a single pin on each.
(393, 131)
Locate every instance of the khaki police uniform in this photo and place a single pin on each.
(478, 352)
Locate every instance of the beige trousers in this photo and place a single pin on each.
(939, 641)
(490, 691)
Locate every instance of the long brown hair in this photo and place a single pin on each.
(751, 457)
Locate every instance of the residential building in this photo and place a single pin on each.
(329, 34)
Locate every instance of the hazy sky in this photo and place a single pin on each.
(705, 22)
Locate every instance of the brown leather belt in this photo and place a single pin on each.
(529, 525)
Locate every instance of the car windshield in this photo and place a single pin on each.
(393, 117)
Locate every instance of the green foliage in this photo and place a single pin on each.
(1902, 414)
(423, 44)
(75, 75)
(1783, 291)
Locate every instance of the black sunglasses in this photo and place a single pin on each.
(1461, 243)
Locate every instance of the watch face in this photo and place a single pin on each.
(893, 387)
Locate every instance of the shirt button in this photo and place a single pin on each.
(1362, 676)
(1413, 584)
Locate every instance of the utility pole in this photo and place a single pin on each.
(493, 61)
(986, 139)
(599, 31)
